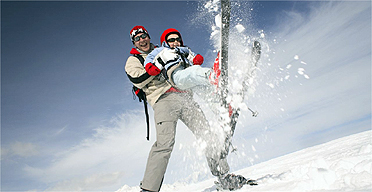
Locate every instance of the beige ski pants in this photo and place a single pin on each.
(170, 108)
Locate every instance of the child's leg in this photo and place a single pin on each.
(191, 77)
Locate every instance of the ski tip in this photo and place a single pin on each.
(256, 51)
(257, 45)
(252, 182)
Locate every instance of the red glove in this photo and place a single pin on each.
(152, 69)
(198, 59)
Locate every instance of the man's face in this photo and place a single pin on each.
(143, 42)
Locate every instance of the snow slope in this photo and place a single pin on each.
(344, 164)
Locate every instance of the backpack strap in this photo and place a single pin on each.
(139, 57)
(142, 97)
(140, 94)
(141, 78)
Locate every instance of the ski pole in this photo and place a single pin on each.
(254, 113)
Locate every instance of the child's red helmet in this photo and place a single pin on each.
(167, 32)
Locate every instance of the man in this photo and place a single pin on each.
(169, 105)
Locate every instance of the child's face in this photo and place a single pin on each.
(173, 41)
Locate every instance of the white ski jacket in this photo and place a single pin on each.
(153, 86)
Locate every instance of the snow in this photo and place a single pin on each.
(240, 28)
(343, 164)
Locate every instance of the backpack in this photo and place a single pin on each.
(141, 97)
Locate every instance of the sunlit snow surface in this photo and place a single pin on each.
(344, 164)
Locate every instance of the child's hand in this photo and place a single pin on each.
(152, 69)
(167, 55)
(198, 59)
(183, 50)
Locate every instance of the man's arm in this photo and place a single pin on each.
(137, 73)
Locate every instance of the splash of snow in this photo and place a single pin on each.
(240, 28)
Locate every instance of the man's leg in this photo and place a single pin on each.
(195, 120)
(166, 120)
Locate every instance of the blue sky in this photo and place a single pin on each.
(67, 113)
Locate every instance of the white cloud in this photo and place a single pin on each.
(20, 149)
(114, 152)
(61, 130)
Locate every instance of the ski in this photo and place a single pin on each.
(224, 58)
(229, 123)
(223, 63)
(255, 56)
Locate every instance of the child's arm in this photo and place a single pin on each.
(156, 60)
(149, 66)
(195, 59)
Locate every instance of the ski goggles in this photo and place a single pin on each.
(171, 40)
(143, 36)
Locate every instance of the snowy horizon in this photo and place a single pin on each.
(69, 122)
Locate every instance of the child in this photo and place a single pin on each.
(179, 65)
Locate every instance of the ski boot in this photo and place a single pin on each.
(232, 182)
